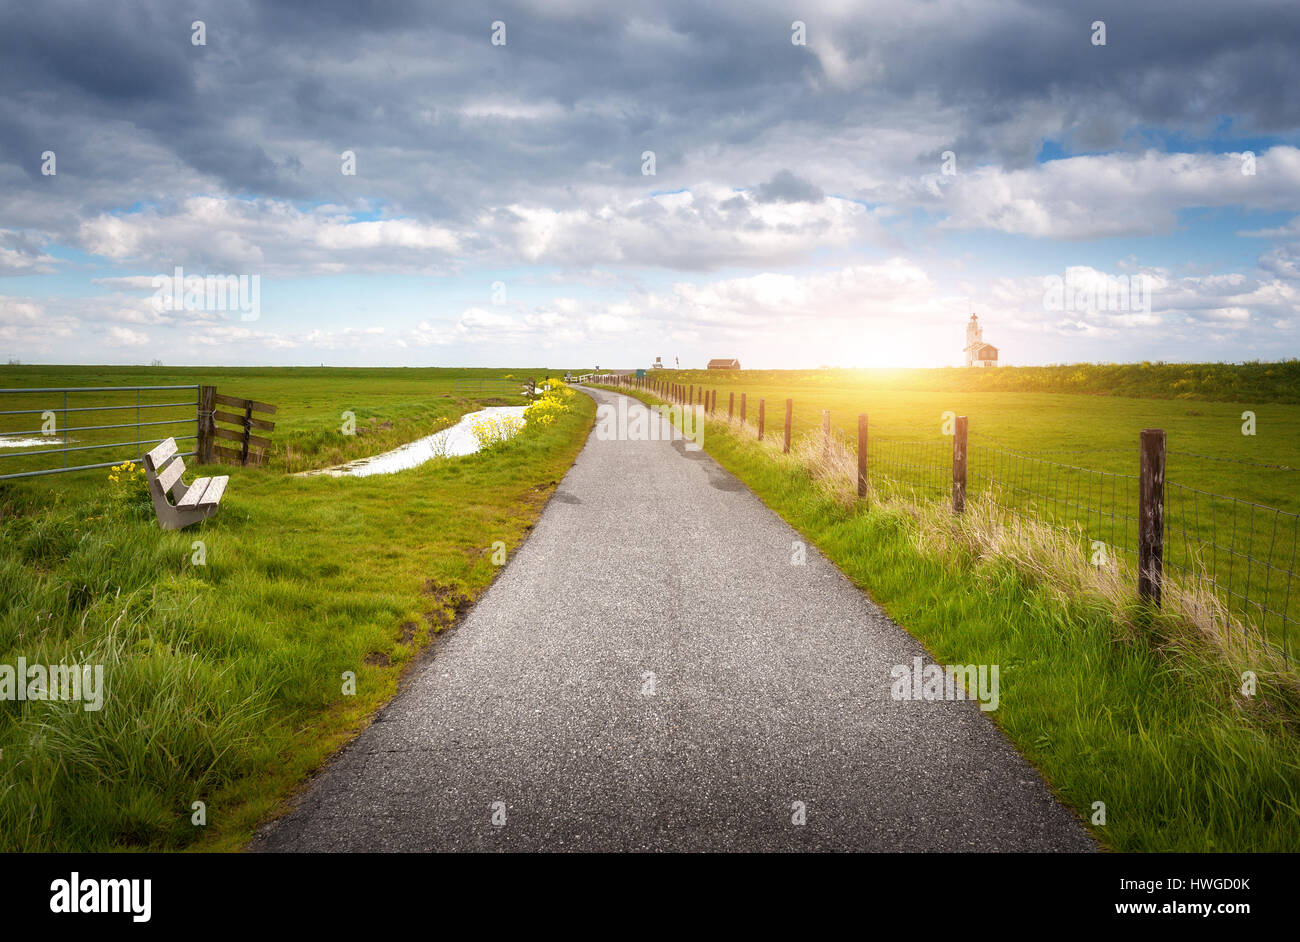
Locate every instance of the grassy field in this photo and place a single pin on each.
(1232, 500)
(225, 645)
(1110, 702)
(389, 407)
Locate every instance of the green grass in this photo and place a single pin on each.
(224, 680)
(1232, 500)
(1155, 730)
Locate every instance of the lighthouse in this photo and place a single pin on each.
(978, 353)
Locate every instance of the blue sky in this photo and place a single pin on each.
(845, 201)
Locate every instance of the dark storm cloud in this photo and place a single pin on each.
(447, 127)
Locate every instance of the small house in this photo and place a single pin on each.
(724, 364)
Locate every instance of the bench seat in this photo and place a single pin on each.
(164, 472)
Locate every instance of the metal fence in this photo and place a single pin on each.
(1243, 551)
(52, 430)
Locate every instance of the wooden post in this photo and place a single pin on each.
(248, 430)
(789, 415)
(742, 408)
(731, 405)
(762, 414)
(207, 404)
(862, 455)
(1151, 515)
(826, 433)
(959, 466)
(691, 400)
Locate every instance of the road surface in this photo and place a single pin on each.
(651, 672)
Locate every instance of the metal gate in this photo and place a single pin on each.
(88, 443)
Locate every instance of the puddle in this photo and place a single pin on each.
(31, 442)
(450, 442)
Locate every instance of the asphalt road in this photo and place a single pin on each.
(651, 672)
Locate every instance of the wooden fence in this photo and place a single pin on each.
(214, 408)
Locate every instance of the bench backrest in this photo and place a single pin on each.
(165, 465)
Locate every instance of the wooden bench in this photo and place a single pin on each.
(193, 502)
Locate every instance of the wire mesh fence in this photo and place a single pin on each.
(1098, 506)
(1242, 551)
(1245, 551)
(918, 466)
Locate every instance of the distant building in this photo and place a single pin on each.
(658, 364)
(978, 353)
(724, 364)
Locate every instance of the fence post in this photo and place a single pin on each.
(248, 430)
(862, 455)
(691, 400)
(1151, 515)
(742, 408)
(826, 434)
(762, 414)
(731, 405)
(959, 466)
(207, 403)
(789, 414)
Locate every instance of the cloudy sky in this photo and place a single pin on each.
(832, 182)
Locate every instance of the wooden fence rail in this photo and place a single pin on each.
(251, 448)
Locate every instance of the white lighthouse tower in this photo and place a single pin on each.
(974, 337)
(978, 353)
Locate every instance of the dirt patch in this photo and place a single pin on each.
(450, 603)
(377, 659)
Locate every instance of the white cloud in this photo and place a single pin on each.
(266, 236)
(1112, 195)
(126, 337)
